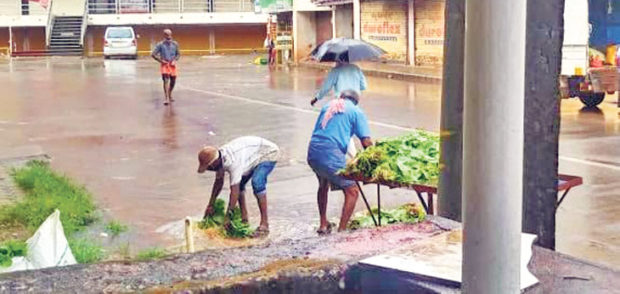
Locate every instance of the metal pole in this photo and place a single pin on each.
(493, 145)
(379, 202)
(451, 121)
(366, 202)
(334, 30)
(10, 41)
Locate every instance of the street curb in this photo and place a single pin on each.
(395, 75)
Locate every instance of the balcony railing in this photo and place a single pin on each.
(168, 6)
(16, 7)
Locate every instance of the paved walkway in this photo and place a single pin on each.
(386, 70)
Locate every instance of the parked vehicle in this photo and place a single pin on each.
(121, 42)
(578, 78)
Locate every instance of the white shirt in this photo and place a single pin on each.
(240, 156)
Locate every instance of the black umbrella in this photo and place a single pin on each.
(344, 49)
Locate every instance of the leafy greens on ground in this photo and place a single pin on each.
(236, 229)
(11, 249)
(409, 213)
(408, 159)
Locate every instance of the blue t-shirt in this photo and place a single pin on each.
(167, 50)
(340, 128)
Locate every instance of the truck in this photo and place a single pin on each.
(578, 78)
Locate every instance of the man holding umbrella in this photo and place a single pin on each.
(344, 76)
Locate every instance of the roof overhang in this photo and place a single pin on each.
(331, 2)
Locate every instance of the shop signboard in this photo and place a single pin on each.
(429, 31)
(384, 23)
(273, 6)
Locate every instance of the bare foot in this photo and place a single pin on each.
(325, 230)
(261, 232)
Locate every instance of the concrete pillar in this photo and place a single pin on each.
(295, 35)
(212, 41)
(493, 145)
(357, 21)
(542, 118)
(451, 159)
(344, 21)
(89, 43)
(411, 33)
(304, 33)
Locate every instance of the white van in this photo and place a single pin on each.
(120, 41)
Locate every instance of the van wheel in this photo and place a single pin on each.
(134, 57)
(106, 57)
(591, 99)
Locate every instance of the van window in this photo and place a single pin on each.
(119, 34)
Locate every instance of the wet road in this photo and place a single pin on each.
(104, 124)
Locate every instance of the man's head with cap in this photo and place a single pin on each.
(207, 158)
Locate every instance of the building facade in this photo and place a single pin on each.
(200, 26)
(410, 31)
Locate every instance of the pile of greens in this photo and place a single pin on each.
(12, 249)
(408, 159)
(236, 229)
(409, 213)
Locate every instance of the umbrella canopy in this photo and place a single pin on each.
(344, 49)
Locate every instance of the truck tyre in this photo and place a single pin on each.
(591, 99)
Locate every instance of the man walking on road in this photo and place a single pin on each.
(344, 76)
(167, 54)
(243, 159)
(338, 122)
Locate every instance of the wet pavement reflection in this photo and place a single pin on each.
(104, 124)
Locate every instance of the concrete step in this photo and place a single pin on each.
(76, 27)
(65, 38)
(68, 26)
(71, 45)
(67, 18)
(78, 23)
(73, 41)
(65, 48)
(66, 53)
(66, 34)
(65, 45)
(72, 50)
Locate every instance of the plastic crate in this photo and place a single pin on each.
(604, 79)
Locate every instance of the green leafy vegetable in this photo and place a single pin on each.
(408, 159)
(10, 249)
(409, 213)
(236, 229)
